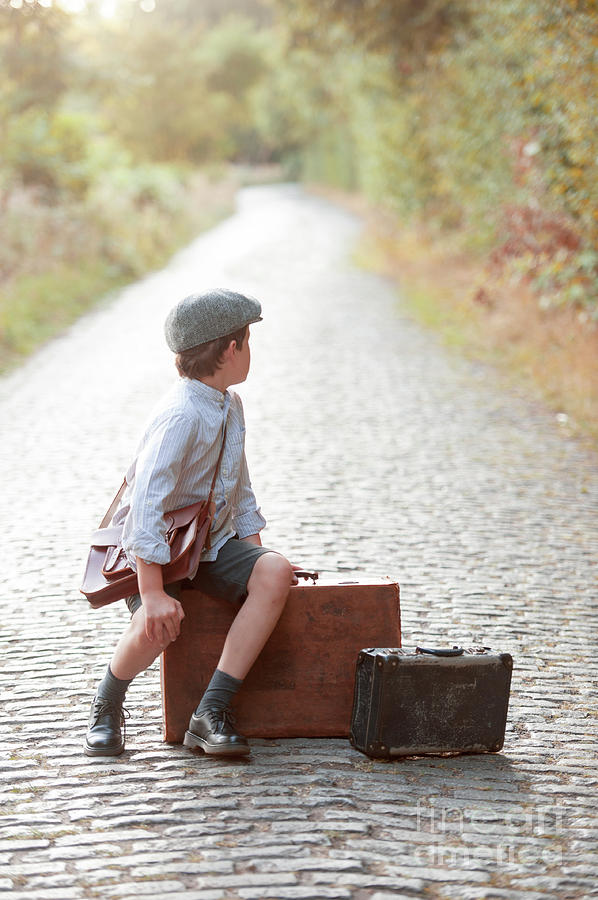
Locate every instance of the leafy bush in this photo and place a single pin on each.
(49, 149)
(136, 210)
(490, 123)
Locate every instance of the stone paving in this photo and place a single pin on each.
(372, 450)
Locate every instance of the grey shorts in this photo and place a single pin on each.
(226, 577)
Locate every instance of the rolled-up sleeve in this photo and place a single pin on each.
(247, 517)
(157, 470)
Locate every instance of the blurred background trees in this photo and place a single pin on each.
(471, 115)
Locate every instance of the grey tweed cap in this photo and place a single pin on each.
(200, 318)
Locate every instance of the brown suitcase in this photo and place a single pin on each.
(302, 683)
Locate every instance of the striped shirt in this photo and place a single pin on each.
(174, 467)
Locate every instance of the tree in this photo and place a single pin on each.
(40, 145)
(404, 29)
(33, 57)
(178, 93)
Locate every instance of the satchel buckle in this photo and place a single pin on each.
(115, 560)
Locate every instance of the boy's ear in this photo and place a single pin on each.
(230, 349)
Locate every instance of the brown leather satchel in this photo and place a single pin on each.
(108, 574)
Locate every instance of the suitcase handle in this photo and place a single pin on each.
(454, 651)
(303, 573)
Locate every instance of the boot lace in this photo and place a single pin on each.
(222, 720)
(104, 707)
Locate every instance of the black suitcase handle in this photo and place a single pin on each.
(453, 651)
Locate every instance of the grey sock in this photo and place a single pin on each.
(220, 692)
(112, 688)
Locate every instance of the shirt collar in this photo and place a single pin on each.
(205, 391)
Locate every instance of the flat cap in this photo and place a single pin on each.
(200, 318)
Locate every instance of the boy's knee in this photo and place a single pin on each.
(139, 635)
(275, 570)
(280, 567)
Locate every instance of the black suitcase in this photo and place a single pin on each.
(430, 701)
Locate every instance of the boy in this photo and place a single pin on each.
(174, 467)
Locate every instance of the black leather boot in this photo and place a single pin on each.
(106, 726)
(213, 732)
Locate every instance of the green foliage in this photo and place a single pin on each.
(232, 55)
(398, 28)
(568, 279)
(184, 93)
(234, 58)
(33, 57)
(470, 114)
(100, 126)
(155, 105)
(474, 115)
(49, 149)
(152, 197)
(67, 291)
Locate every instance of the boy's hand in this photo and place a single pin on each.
(163, 616)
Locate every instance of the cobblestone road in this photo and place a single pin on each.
(371, 450)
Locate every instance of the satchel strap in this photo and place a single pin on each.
(218, 461)
(114, 505)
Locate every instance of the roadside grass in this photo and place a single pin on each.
(495, 319)
(44, 296)
(485, 315)
(36, 308)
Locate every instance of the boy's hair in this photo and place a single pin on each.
(203, 360)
